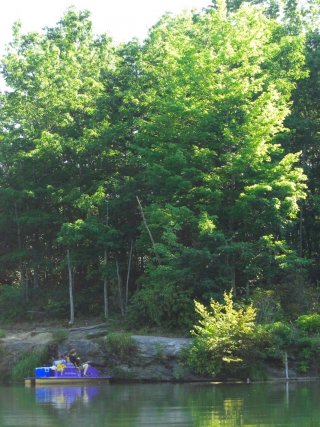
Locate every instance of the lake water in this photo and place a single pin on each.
(152, 405)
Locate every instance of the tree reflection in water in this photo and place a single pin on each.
(165, 405)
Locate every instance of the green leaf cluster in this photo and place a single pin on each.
(223, 336)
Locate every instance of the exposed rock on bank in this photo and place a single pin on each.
(155, 358)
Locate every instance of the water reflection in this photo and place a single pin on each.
(165, 405)
(64, 397)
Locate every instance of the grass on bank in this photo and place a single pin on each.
(25, 366)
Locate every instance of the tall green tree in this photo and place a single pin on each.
(52, 150)
(304, 127)
(220, 187)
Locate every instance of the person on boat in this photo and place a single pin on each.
(58, 364)
(73, 357)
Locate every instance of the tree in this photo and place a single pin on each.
(304, 124)
(52, 150)
(215, 178)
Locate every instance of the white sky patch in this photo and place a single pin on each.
(120, 19)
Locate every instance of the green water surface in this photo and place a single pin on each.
(198, 405)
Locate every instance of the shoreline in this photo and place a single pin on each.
(154, 360)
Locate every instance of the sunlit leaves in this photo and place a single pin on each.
(222, 335)
(219, 98)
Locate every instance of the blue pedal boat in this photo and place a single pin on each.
(65, 373)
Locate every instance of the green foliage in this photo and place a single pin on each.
(2, 333)
(308, 352)
(223, 336)
(196, 122)
(302, 342)
(56, 303)
(121, 347)
(210, 147)
(12, 303)
(57, 309)
(267, 305)
(160, 286)
(228, 342)
(59, 335)
(283, 331)
(27, 363)
(309, 323)
(307, 341)
(257, 371)
(275, 338)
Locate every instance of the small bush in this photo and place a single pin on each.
(59, 335)
(307, 351)
(2, 333)
(224, 337)
(278, 337)
(120, 347)
(28, 362)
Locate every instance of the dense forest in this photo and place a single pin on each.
(136, 178)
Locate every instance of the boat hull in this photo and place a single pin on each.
(33, 382)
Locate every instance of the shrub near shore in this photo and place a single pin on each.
(229, 342)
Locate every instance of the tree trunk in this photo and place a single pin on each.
(300, 232)
(36, 278)
(233, 279)
(105, 287)
(128, 275)
(119, 289)
(21, 273)
(26, 286)
(71, 322)
(149, 232)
